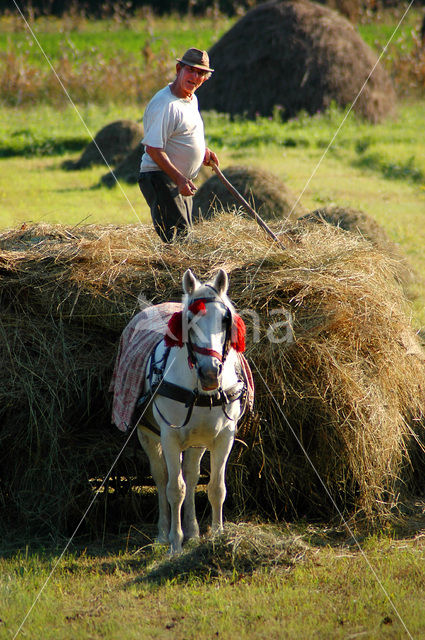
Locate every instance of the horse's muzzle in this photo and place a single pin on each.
(209, 376)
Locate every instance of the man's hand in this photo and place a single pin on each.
(185, 186)
(210, 155)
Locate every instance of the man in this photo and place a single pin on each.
(175, 147)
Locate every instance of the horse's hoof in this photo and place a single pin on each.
(192, 533)
(190, 537)
(215, 532)
(174, 552)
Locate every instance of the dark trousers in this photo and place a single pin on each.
(171, 213)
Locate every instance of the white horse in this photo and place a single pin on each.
(194, 396)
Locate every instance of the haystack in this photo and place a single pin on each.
(363, 224)
(294, 55)
(127, 171)
(340, 375)
(266, 193)
(115, 141)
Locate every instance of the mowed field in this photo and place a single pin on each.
(260, 580)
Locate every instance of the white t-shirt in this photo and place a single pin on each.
(175, 125)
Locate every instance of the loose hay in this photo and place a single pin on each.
(268, 195)
(241, 550)
(115, 142)
(349, 387)
(295, 55)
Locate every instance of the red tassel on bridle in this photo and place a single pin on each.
(174, 334)
(237, 340)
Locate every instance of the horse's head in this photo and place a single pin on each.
(208, 325)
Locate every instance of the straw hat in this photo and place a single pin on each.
(196, 58)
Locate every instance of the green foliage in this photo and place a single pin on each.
(97, 61)
(25, 142)
(391, 169)
(127, 57)
(376, 30)
(79, 38)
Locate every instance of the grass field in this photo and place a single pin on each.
(318, 585)
(259, 581)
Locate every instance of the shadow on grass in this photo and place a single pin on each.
(242, 550)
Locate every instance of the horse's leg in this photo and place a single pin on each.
(153, 450)
(191, 469)
(216, 486)
(176, 490)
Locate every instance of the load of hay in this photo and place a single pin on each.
(268, 195)
(294, 55)
(111, 144)
(339, 372)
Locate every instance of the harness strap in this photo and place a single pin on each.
(192, 399)
(188, 397)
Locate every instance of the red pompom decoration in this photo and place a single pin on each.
(238, 333)
(198, 306)
(174, 334)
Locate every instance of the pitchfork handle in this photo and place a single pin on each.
(244, 203)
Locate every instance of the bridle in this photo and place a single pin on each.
(221, 397)
(193, 348)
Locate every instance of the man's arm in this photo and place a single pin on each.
(184, 185)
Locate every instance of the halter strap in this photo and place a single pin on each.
(207, 352)
(194, 348)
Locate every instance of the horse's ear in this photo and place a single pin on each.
(221, 282)
(190, 283)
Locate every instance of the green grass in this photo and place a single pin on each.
(34, 187)
(327, 590)
(78, 38)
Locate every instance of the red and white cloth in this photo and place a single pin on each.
(136, 344)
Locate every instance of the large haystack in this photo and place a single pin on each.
(268, 195)
(126, 171)
(115, 141)
(363, 224)
(294, 55)
(345, 395)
